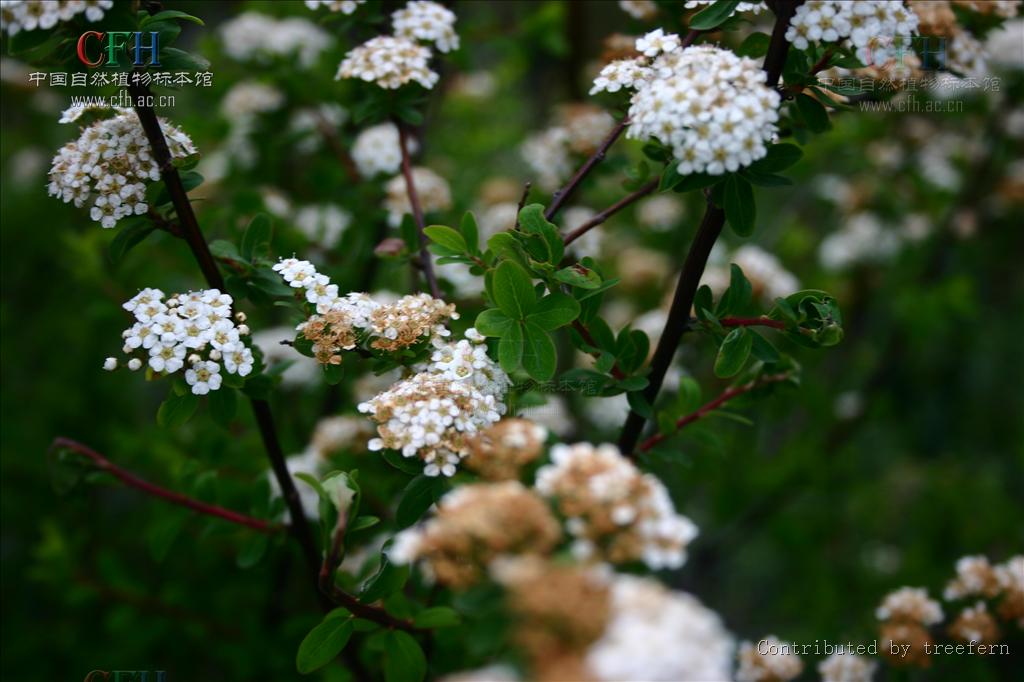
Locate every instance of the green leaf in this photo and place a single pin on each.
(408, 465)
(532, 220)
(765, 179)
(713, 15)
(167, 15)
(436, 617)
(513, 290)
(446, 237)
(223, 403)
(176, 410)
(323, 643)
(418, 495)
(468, 228)
(388, 580)
(740, 210)
(578, 276)
(361, 523)
(754, 45)
(779, 158)
(737, 296)
(221, 248)
(762, 348)
(173, 59)
(493, 322)
(256, 240)
(554, 311)
(404, 660)
(128, 238)
(696, 181)
(539, 355)
(813, 113)
(510, 348)
(253, 548)
(733, 353)
(670, 177)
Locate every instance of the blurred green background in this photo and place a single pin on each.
(902, 450)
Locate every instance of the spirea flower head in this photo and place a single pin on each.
(659, 635)
(473, 525)
(975, 577)
(558, 609)
(769, 660)
(711, 107)
(639, 9)
(501, 451)
(376, 150)
(29, 15)
(975, 624)
(910, 604)
(755, 7)
(343, 6)
(192, 332)
(431, 414)
(847, 667)
(389, 62)
(108, 166)
(1011, 581)
(878, 29)
(252, 36)
(249, 98)
(433, 191)
(615, 512)
(428, 22)
(577, 129)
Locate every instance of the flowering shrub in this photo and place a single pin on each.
(496, 384)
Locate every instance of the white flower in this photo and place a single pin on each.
(910, 603)
(659, 635)
(134, 364)
(343, 6)
(390, 62)
(657, 42)
(256, 37)
(203, 377)
(29, 15)
(376, 150)
(619, 74)
(878, 29)
(427, 21)
(110, 364)
(844, 666)
(110, 164)
(755, 7)
(639, 9)
(432, 189)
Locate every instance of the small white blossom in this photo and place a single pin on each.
(343, 6)
(390, 62)
(879, 30)
(428, 22)
(29, 15)
(110, 364)
(376, 150)
(252, 36)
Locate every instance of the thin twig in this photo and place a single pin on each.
(697, 257)
(522, 202)
(141, 95)
(561, 196)
(691, 36)
(752, 322)
(709, 407)
(145, 486)
(426, 263)
(610, 211)
(330, 135)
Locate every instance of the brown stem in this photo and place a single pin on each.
(561, 196)
(522, 202)
(145, 486)
(705, 409)
(189, 226)
(821, 63)
(752, 322)
(589, 339)
(426, 263)
(330, 135)
(610, 211)
(697, 257)
(690, 37)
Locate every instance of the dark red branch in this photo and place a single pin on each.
(559, 198)
(752, 322)
(709, 407)
(134, 481)
(426, 263)
(189, 226)
(610, 211)
(690, 37)
(697, 257)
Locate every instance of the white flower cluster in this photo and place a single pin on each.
(393, 61)
(323, 224)
(755, 7)
(861, 239)
(656, 634)
(343, 6)
(615, 512)
(878, 29)
(639, 9)
(110, 164)
(193, 331)
(847, 667)
(433, 192)
(376, 150)
(578, 129)
(430, 415)
(252, 36)
(428, 22)
(249, 98)
(910, 604)
(769, 660)
(712, 107)
(28, 15)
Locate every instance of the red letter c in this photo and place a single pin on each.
(81, 48)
